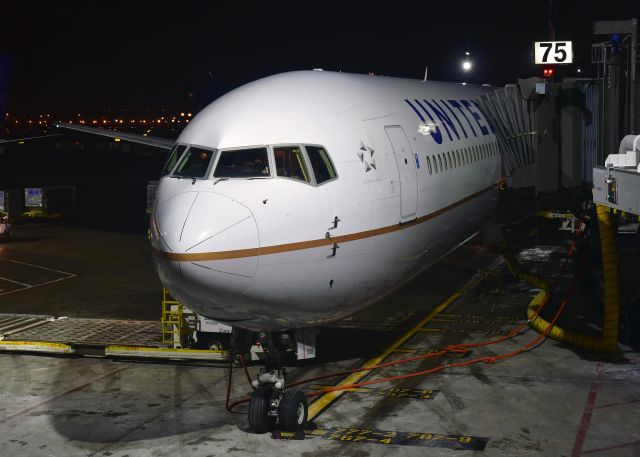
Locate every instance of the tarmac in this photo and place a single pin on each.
(551, 400)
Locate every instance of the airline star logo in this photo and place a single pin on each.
(365, 154)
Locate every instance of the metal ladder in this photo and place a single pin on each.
(173, 327)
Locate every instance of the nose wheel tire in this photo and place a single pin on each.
(293, 410)
(259, 419)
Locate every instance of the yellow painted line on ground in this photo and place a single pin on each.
(325, 400)
(405, 351)
(435, 330)
(353, 389)
(35, 346)
(166, 353)
(168, 350)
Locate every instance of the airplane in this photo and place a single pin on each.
(301, 198)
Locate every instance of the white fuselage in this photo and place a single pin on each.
(278, 253)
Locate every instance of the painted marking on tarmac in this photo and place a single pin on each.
(16, 282)
(26, 286)
(391, 392)
(359, 435)
(467, 317)
(587, 413)
(462, 330)
(40, 266)
(486, 321)
(324, 401)
(422, 351)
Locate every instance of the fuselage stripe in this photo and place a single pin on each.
(280, 248)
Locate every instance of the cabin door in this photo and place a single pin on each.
(407, 170)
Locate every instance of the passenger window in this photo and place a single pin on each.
(174, 155)
(450, 165)
(320, 163)
(290, 163)
(440, 163)
(194, 163)
(243, 163)
(429, 165)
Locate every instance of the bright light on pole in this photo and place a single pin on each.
(466, 65)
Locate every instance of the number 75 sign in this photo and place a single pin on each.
(553, 52)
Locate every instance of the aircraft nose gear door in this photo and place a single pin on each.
(407, 168)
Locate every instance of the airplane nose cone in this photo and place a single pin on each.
(208, 229)
(171, 215)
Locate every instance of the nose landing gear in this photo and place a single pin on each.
(271, 406)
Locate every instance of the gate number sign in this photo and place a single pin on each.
(553, 52)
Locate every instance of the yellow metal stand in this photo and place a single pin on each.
(173, 327)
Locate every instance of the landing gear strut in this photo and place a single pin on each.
(272, 405)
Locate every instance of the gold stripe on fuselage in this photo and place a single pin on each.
(280, 248)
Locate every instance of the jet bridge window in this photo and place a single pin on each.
(290, 163)
(174, 155)
(243, 163)
(320, 163)
(194, 163)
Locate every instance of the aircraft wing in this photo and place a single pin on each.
(22, 140)
(164, 143)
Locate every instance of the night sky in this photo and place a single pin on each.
(64, 57)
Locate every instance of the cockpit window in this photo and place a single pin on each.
(174, 155)
(194, 163)
(321, 164)
(243, 163)
(290, 163)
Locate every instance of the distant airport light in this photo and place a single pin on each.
(188, 114)
(548, 72)
(579, 70)
(466, 65)
(182, 114)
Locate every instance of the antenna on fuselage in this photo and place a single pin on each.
(426, 72)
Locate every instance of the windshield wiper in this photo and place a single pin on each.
(226, 178)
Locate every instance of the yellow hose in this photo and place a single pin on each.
(609, 340)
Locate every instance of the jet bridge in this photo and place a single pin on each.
(513, 117)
